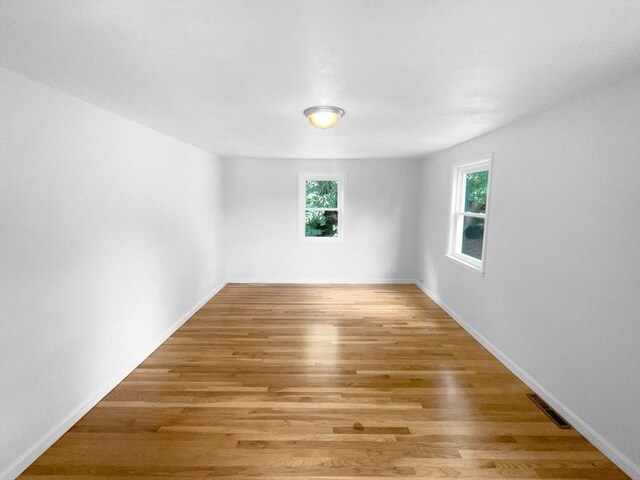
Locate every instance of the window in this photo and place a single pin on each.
(321, 207)
(469, 210)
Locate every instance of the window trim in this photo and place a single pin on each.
(456, 213)
(302, 204)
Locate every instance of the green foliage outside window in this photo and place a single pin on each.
(321, 224)
(476, 193)
(321, 194)
(475, 202)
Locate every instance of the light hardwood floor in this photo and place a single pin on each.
(320, 382)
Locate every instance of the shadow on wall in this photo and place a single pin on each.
(393, 245)
(430, 276)
(401, 230)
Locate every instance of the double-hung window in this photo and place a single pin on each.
(469, 210)
(321, 203)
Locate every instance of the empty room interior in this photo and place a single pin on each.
(321, 240)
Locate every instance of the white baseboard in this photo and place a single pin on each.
(30, 456)
(329, 281)
(597, 440)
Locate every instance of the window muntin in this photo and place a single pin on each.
(469, 209)
(321, 206)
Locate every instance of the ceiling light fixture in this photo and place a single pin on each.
(323, 117)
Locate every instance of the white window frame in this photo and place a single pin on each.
(340, 178)
(457, 213)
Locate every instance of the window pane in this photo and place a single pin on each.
(321, 194)
(475, 198)
(473, 237)
(321, 224)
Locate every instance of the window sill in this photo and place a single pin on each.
(466, 265)
(316, 240)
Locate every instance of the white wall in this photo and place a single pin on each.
(105, 224)
(560, 297)
(380, 219)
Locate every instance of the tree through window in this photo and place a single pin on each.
(321, 198)
(469, 213)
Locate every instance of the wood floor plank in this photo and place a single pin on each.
(320, 382)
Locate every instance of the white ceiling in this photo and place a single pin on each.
(233, 77)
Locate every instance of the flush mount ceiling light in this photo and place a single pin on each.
(323, 117)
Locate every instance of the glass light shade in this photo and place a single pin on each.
(324, 117)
